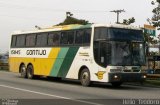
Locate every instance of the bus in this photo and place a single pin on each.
(89, 53)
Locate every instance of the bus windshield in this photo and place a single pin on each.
(125, 53)
(119, 47)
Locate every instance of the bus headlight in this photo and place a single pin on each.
(115, 76)
(144, 76)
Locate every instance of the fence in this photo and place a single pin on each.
(4, 66)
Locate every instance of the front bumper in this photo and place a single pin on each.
(126, 77)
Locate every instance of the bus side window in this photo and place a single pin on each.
(105, 53)
(71, 37)
(30, 40)
(96, 52)
(87, 37)
(54, 38)
(20, 42)
(41, 40)
(67, 38)
(79, 37)
(102, 53)
(64, 38)
(13, 43)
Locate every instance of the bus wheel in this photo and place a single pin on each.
(30, 73)
(85, 77)
(116, 84)
(23, 71)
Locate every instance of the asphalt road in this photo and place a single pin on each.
(46, 92)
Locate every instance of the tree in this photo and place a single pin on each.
(154, 21)
(150, 39)
(71, 20)
(156, 14)
(128, 21)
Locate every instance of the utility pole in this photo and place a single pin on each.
(118, 12)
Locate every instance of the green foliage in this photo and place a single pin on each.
(150, 39)
(128, 21)
(72, 20)
(156, 15)
(155, 21)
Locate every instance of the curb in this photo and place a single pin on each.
(143, 85)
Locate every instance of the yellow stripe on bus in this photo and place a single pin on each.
(54, 53)
(42, 66)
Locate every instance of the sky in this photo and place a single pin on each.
(25, 14)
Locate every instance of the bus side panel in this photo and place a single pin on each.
(63, 62)
(43, 66)
(84, 58)
(59, 60)
(81, 58)
(13, 64)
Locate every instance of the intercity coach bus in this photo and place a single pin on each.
(93, 52)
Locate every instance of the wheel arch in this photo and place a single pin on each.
(22, 63)
(80, 70)
(31, 65)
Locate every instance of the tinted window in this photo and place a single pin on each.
(87, 36)
(67, 38)
(41, 39)
(70, 37)
(79, 37)
(53, 38)
(100, 33)
(20, 41)
(13, 44)
(64, 38)
(30, 40)
(126, 34)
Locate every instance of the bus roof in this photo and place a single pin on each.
(74, 26)
(117, 26)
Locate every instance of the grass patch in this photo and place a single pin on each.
(153, 82)
(4, 68)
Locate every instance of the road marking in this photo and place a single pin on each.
(51, 95)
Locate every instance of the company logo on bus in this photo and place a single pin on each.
(100, 74)
(36, 52)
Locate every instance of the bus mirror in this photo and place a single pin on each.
(102, 59)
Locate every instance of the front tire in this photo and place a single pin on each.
(23, 71)
(30, 72)
(85, 77)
